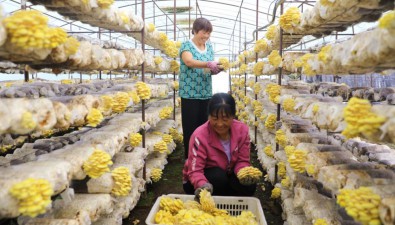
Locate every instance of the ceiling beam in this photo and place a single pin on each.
(234, 26)
(215, 16)
(244, 8)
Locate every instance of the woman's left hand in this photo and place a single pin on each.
(248, 181)
(214, 67)
(249, 175)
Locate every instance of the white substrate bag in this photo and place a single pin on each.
(46, 221)
(289, 209)
(149, 60)
(63, 115)
(164, 66)
(293, 219)
(109, 142)
(58, 54)
(131, 120)
(29, 54)
(86, 208)
(77, 110)
(75, 154)
(151, 140)
(5, 123)
(100, 58)
(164, 125)
(133, 160)
(56, 172)
(130, 57)
(323, 208)
(83, 57)
(3, 32)
(41, 111)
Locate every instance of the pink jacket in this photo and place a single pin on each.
(205, 151)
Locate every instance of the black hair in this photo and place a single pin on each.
(201, 24)
(222, 103)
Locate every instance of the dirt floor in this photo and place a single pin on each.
(171, 183)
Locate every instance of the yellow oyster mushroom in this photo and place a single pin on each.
(161, 147)
(158, 60)
(164, 217)
(121, 101)
(97, 164)
(290, 19)
(281, 169)
(289, 150)
(224, 62)
(268, 150)
(71, 46)
(122, 181)
(27, 121)
(258, 68)
(143, 90)
(33, 195)
(387, 20)
(323, 54)
(171, 205)
(320, 222)
(281, 138)
(206, 201)
(135, 97)
(156, 174)
(286, 182)
(272, 30)
(108, 103)
(165, 112)
(360, 119)
(135, 139)
(276, 193)
(151, 27)
(289, 104)
(94, 117)
(174, 66)
(270, 121)
(105, 4)
(297, 160)
(260, 45)
(275, 58)
(361, 204)
(167, 138)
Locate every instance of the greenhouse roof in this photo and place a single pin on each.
(233, 21)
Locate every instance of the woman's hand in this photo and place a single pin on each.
(249, 175)
(214, 67)
(207, 186)
(248, 181)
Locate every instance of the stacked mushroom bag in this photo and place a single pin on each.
(26, 115)
(96, 13)
(29, 37)
(365, 52)
(134, 57)
(337, 13)
(41, 179)
(88, 56)
(3, 32)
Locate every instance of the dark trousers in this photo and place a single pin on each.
(224, 184)
(193, 113)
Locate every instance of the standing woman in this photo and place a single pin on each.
(195, 82)
(218, 151)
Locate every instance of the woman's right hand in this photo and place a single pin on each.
(214, 67)
(207, 186)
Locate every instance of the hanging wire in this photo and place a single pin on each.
(277, 4)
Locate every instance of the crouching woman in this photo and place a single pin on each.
(218, 150)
